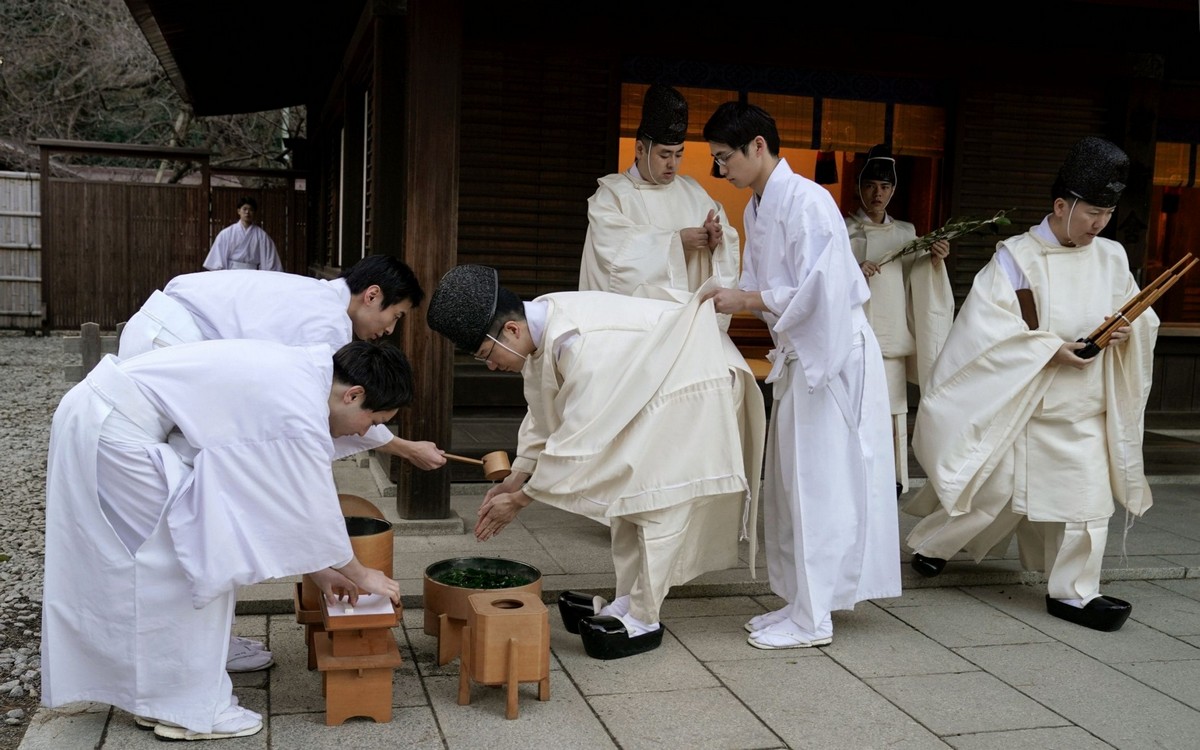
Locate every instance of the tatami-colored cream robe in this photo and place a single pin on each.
(831, 524)
(143, 556)
(633, 238)
(993, 400)
(263, 305)
(910, 311)
(639, 407)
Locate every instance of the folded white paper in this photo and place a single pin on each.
(368, 604)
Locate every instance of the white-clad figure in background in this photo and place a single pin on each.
(244, 244)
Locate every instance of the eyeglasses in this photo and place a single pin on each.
(487, 359)
(721, 160)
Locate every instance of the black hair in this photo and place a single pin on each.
(381, 369)
(508, 307)
(737, 123)
(248, 201)
(392, 275)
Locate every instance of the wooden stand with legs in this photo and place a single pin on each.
(506, 641)
(357, 655)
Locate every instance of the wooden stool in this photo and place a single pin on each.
(357, 655)
(506, 641)
(313, 625)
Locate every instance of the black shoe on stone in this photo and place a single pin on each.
(927, 566)
(607, 637)
(1105, 613)
(899, 490)
(573, 606)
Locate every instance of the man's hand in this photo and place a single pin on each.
(513, 482)
(694, 239)
(1066, 355)
(869, 268)
(334, 585)
(423, 454)
(353, 579)
(713, 228)
(1119, 334)
(420, 453)
(497, 511)
(939, 251)
(375, 582)
(731, 301)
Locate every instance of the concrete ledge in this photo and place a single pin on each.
(428, 527)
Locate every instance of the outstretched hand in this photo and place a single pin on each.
(424, 455)
(335, 586)
(497, 511)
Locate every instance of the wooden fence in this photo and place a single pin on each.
(110, 244)
(20, 251)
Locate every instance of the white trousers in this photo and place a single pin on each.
(646, 551)
(1071, 553)
(897, 381)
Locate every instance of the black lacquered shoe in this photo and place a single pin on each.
(927, 566)
(1104, 613)
(607, 637)
(574, 606)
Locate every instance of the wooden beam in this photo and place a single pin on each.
(430, 195)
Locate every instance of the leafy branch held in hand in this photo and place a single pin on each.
(952, 230)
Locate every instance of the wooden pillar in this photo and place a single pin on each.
(433, 64)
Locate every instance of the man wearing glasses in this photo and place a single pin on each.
(651, 226)
(832, 527)
(642, 415)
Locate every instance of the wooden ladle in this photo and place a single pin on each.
(495, 464)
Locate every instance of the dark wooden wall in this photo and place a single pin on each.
(1176, 385)
(538, 130)
(108, 245)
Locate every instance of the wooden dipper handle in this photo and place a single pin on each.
(464, 459)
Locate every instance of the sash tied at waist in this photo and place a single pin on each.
(780, 359)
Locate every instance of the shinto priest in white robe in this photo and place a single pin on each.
(831, 525)
(239, 248)
(643, 416)
(147, 540)
(633, 237)
(999, 426)
(269, 306)
(910, 311)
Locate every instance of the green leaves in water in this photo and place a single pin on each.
(477, 578)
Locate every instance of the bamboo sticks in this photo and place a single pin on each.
(1138, 304)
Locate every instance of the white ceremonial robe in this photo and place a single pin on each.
(830, 517)
(263, 305)
(239, 248)
(1003, 436)
(146, 628)
(633, 238)
(648, 409)
(910, 311)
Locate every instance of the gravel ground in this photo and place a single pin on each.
(31, 368)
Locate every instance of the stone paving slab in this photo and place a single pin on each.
(967, 660)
